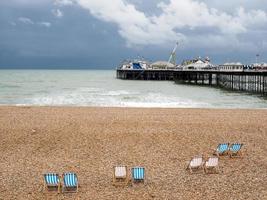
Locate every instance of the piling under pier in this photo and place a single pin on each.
(145, 74)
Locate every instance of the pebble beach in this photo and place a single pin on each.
(91, 140)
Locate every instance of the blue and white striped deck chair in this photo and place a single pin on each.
(138, 174)
(70, 182)
(235, 149)
(222, 149)
(52, 181)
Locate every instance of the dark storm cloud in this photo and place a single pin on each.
(47, 35)
(76, 40)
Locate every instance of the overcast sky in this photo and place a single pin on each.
(102, 33)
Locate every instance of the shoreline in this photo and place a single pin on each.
(91, 140)
(124, 107)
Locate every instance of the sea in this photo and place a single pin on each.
(101, 88)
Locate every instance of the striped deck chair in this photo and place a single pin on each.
(196, 163)
(235, 149)
(212, 164)
(222, 149)
(70, 182)
(138, 174)
(52, 181)
(120, 174)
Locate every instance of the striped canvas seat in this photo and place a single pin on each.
(70, 180)
(196, 162)
(212, 165)
(212, 162)
(51, 179)
(120, 172)
(235, 147)
(138, 173)
(222, 148)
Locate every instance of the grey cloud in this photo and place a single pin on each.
(25, 20)
(137, 28)
(63, 2)
(28, 21)
(57, 13)
(79, 39)
(46, 24)
(230, 6)
(25, 3)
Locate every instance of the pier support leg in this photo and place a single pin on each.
(210, 79)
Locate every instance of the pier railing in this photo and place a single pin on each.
(247, 81)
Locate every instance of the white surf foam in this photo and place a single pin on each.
(118, 98)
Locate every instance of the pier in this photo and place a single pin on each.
(246, 81)
(158, 75)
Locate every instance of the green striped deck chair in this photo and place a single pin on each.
(52, 181)
(70, 182)
(222, 149)
(138, 174)
(235, 149)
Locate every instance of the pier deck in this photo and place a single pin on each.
(247, 80)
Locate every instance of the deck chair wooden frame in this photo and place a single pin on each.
(212, 165)
(120, 175)
(195, 164)
(225, 152)
(235, 153)
(138, 180)
(52, 182)
(66, 186)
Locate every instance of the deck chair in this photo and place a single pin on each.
(138, 174)
(52, 181)
(120, 175)
(70, 182)
(212, 165)
(195, 163)
(222, 149)
(235, 149)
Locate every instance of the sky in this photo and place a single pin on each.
(100, 34)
